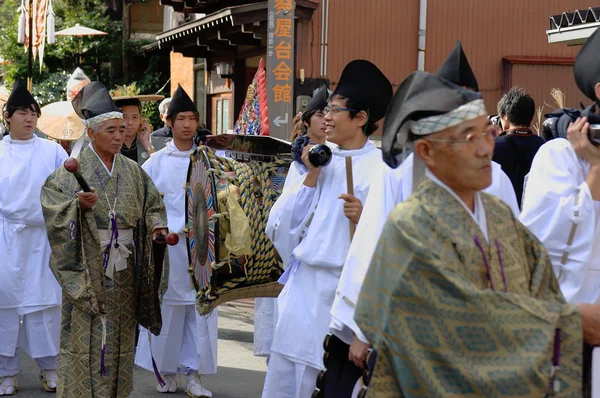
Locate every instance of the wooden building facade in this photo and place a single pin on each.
(504, 40)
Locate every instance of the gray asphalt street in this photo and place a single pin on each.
(240, 373)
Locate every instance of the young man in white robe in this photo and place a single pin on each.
(188, 341)
(395, 186)
(319, 203)
(561, 200)
(30, 296)
(265, 309)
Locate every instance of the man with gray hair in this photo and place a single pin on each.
(160, 137)
(460, 298)
(101, 254)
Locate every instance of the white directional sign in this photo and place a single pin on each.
(280, 67)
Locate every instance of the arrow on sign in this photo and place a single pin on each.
(278, 121)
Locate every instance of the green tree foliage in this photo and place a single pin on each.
(49, 83)
(60, 56)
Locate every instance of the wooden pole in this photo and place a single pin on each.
(350, 189)
(30, 52)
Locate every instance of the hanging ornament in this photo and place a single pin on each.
(21, 32)
(50, 24)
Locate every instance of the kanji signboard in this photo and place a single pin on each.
(280, 67)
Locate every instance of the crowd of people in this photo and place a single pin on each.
(461, 254)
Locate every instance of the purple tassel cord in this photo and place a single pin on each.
(485, 261)
(487, 264)
(157, 374)
(556, 357)
(102, 367)
(499, 250)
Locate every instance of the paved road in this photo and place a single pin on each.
(240, 373)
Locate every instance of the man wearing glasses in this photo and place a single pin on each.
(393, 187)
(320, 206)
(460, 298)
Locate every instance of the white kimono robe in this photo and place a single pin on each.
(392, 188)
(556, 201)
(306, 299)
(187, 340)
(28, 284)
(266, 310)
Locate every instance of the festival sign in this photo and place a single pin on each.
(280, 67)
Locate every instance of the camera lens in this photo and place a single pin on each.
(319, 155)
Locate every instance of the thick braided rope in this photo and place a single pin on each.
(264, 252)
(256, 198)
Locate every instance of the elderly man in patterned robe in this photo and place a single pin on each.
(102, 255)
(460, 298)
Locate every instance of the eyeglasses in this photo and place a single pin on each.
(491, 131)
(335, 109)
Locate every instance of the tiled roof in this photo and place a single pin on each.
(578, 17)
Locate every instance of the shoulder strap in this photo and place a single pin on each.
(565, 256)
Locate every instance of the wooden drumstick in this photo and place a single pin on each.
(72, 166)
(172, 239)
(350, 189)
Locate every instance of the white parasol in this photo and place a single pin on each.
(80, 31)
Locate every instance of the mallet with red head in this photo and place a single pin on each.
(72, 166)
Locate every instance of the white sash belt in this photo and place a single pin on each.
(117, 256)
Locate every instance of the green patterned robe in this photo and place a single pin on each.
(427, 306)
(133, 294)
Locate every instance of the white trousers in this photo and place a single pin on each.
(11, 366)
(265, 323)
(187, 342)
(37, 333)
(289, 379)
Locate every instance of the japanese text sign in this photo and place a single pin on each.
(280, 67)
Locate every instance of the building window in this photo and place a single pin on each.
(221, 114)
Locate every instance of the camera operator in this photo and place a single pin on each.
(320, 204)
(561, 204)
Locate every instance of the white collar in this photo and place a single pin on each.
(8, 138)
(478, 215)
(102, 163)
(172, 150)
(337, 151)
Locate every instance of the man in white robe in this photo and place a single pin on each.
(30, 296)
(394, 187)
(319, 205)
(561, 200)
(188, 341)
(266, 311)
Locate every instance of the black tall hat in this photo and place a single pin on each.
(456, 69)
(93, 100)
(363, 82)
(423, 95)
(318, 101)
(181, 102)
(20, 96)
(587, 66)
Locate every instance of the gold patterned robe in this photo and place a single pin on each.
(77, 262)
(427, 305)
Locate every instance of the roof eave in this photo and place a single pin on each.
(573, 35)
